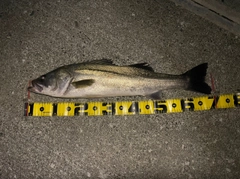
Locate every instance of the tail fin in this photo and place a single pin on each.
(196, 79)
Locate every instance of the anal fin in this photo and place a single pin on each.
(156, 95)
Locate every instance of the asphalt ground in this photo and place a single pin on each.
(38, 36)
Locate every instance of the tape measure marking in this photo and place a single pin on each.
(132, 107)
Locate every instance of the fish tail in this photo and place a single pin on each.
(196, 79)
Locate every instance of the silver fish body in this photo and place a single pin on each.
(101, 78)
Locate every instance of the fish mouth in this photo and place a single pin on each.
(34, 87)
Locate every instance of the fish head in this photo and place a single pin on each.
(54, 83)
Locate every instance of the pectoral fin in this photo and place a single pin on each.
(83, 83)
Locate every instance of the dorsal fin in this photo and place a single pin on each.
(104, 61)
(144, 66)
(101, 62)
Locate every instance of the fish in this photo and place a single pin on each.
(102, 78)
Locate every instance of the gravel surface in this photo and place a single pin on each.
(38, 36)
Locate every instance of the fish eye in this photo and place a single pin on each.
(42, 78)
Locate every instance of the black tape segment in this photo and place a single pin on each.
(26, 109)
(222, 101)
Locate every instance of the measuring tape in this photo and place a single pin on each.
(132, 107)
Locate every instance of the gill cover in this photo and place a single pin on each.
(53, 83)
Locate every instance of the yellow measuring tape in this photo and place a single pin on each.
(132, 107)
